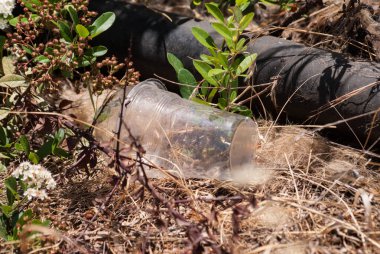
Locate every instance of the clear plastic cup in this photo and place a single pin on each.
(188, 138)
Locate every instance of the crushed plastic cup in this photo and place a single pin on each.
(185, 137)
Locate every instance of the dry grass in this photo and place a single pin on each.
(313, 197)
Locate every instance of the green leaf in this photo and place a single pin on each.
(65, 30)
(223, 59)
(12, 81)
(203, 37)
(204, 88)
(41, 59)
(25, 217)
(246, 20)
(85, 63)
(27, 49)
(15, 21)
(50, 50)
(82, 31)
(186, 77)
(59, 135)
(214, 72)
(233, 95)
(242, 110)
(240, 2)
(237, 13)
(99, 51)
(214, 10)
(87, 59)
(45, 149)
(23, 185)
(237, 61)
(174, 62)
(6, 210)
(11, 185)
(222, 103)
(3, 228)
(73, 14)
(29, 4)
(212, 94)
(91, 28)
(203, 69)
(209, 59)
(200, 101)
(34, 158)
(222, 30)
(240, 44)
(3, 156)
(197, 2)
(45, 223)
(4, 138)
(23, 145)
(246, 63)
(60, 152)
(102, 23)
(244, 6)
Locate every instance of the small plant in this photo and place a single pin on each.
(226, 64)
(26, 183)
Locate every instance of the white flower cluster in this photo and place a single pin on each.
(3, 23)
(6, 8)
(37, 179)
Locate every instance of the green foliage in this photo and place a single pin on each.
(65, 50)
(102, 23)
(284, 4)
(184, 76)
(12, 217)
(224, 66)
(22, 148)
(45, 46)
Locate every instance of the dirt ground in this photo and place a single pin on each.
(305, 195)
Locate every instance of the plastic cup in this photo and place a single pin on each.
(188, 138)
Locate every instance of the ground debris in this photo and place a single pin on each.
(321, 198)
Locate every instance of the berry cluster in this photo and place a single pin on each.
(110, 66)
(45, 56)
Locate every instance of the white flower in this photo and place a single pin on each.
(17, 172)
(6, 7)
(35, 193)
(37, 179)
(51, 184)
(30, 193)
(3, 23)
